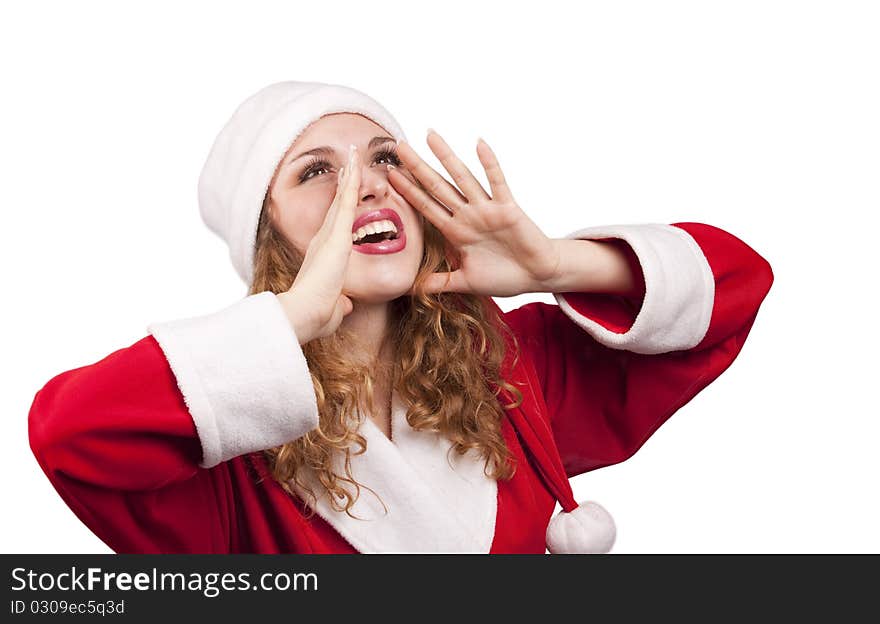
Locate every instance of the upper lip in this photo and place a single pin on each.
(378, 215)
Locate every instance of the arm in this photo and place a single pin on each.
(134, 443)
(614, 367)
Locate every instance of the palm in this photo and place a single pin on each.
(500, 257)
(503, 253)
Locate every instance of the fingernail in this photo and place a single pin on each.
(430, 130)
(389, 167)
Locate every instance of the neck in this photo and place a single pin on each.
(369, 325)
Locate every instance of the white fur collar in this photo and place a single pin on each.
(434, 505)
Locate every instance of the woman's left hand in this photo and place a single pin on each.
(503, 252)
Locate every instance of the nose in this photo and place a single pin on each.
(374, 183)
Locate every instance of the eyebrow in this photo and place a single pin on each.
(325, 150)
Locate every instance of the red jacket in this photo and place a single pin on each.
(156, 447)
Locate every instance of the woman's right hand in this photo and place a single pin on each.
(315, 304)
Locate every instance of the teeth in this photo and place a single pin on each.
(373, 228)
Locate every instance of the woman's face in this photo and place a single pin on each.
(305, 185)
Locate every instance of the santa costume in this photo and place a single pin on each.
(157, 447)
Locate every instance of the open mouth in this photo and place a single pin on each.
(377, 237)
(378, 231)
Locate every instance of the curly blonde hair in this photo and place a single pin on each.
(448, 347)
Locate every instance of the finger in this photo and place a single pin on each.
(348, 186)
(462, 176)
(419, 199)
(352, 183)
(346, 305)
(433, 182)
(497, 182)
(446, 282)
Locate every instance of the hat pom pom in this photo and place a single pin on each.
(587, 529)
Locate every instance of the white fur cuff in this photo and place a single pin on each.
(243, 376)
(679, 290)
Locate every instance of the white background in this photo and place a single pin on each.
(758, 117)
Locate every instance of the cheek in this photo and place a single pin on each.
(301, 217)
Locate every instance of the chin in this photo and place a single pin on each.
(376, 297)
(382, 292)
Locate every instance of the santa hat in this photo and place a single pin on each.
(243, 159)
(580, 528)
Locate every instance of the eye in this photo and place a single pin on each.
(389, 155)
(313, 168)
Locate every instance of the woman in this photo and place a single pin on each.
(368, 395)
